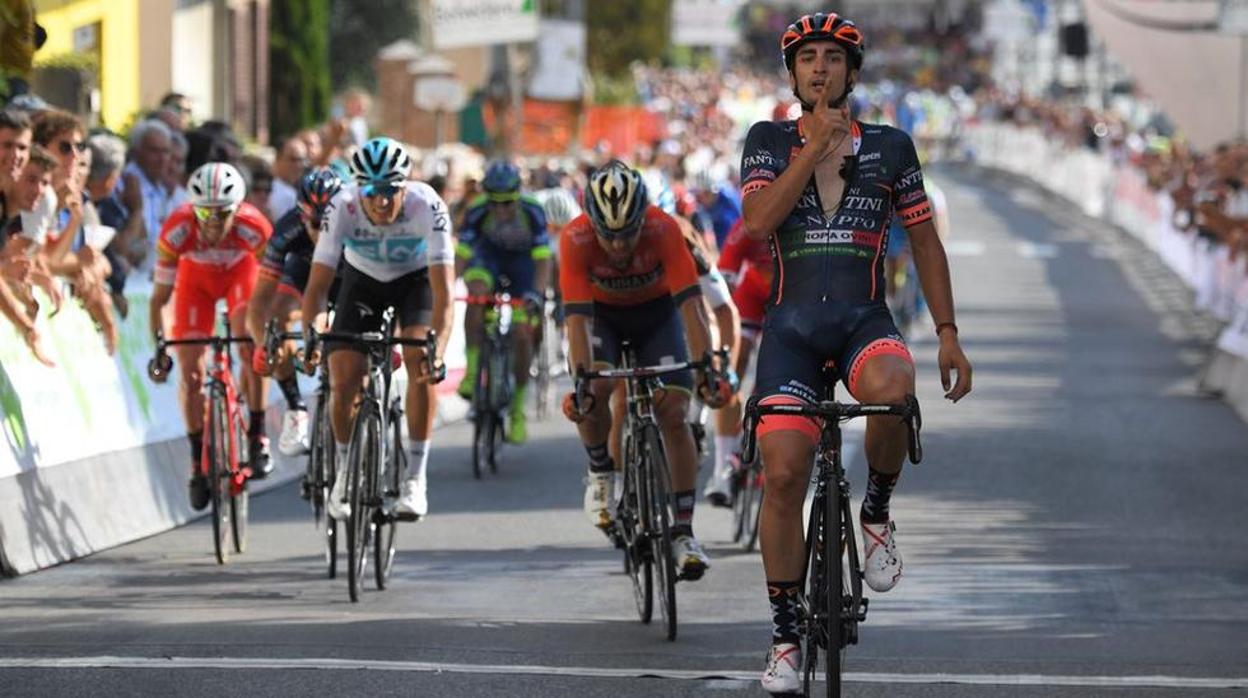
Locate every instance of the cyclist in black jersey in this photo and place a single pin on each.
(824, 188)
(279, 288)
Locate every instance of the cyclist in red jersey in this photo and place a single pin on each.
(824, 188)
(208, 251)
(746, 264)
(626, 274)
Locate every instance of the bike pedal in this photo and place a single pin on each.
(406, 518)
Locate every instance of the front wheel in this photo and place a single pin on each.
(365, 443)
(388, 530)
(660, 526)
(219, 477)
(239, 497)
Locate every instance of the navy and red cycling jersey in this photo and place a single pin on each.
(290, 244)
(837, 256)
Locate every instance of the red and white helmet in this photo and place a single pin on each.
(217, 185)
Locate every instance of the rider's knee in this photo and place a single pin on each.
(787, 480)
(886, 379)
(672, 408)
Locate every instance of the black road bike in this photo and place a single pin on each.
(376, 461)
(831, 605)
(643, 518)
(318, 476)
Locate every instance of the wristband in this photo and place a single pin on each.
(942, 325)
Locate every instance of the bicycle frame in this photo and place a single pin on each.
(218, 383)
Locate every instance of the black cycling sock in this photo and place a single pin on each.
(879, 490)
(290, 391)
(197, 447)
(783, 598)
(600, 459)
(255, 428)
(682, 505)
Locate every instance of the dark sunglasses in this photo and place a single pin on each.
(380, 191)
(67, 147)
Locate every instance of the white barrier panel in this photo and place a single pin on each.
(90, 403)
(1120, 194)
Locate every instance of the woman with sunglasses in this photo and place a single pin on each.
(208, 252)
(393, 237)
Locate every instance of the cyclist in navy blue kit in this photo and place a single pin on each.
(824, 188)
(283, 275)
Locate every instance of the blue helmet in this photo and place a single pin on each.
(316, 189)
(381, 165)
(502, 181)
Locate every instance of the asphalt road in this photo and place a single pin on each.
(1073, 531)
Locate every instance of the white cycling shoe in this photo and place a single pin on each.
(691, 560)
(881, 563)
(294, 438)
(337, 508)
(414, 504)
(783, 673)
(600, 499)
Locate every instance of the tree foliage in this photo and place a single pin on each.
(359, 29)
(299, 87)
(622, 32)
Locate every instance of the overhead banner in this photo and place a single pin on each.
(459, 23)
(706, 22)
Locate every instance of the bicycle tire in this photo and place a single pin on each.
(754, 506)
(482, 441)
(331, 524)
(482, 410)
(318, 450)
(218, 477)
(361, 486)
(661, 527)
(496, 443)
(633, 510)
(500, 399)
(388, 531)
(834, 580)
(239, 501)
(813, 598)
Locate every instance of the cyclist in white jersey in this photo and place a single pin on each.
(393, 238)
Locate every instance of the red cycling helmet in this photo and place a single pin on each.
(823, 27)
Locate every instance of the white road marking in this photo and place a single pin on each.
(308, 663)
(965, 248)
(1037, 250)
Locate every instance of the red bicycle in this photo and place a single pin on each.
(224, 456)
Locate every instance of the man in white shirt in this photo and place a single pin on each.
(150, 146)
(291, 163)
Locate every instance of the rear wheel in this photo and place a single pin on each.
(316, 478)
(661, 526)
(219, 478)
(751, 502)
